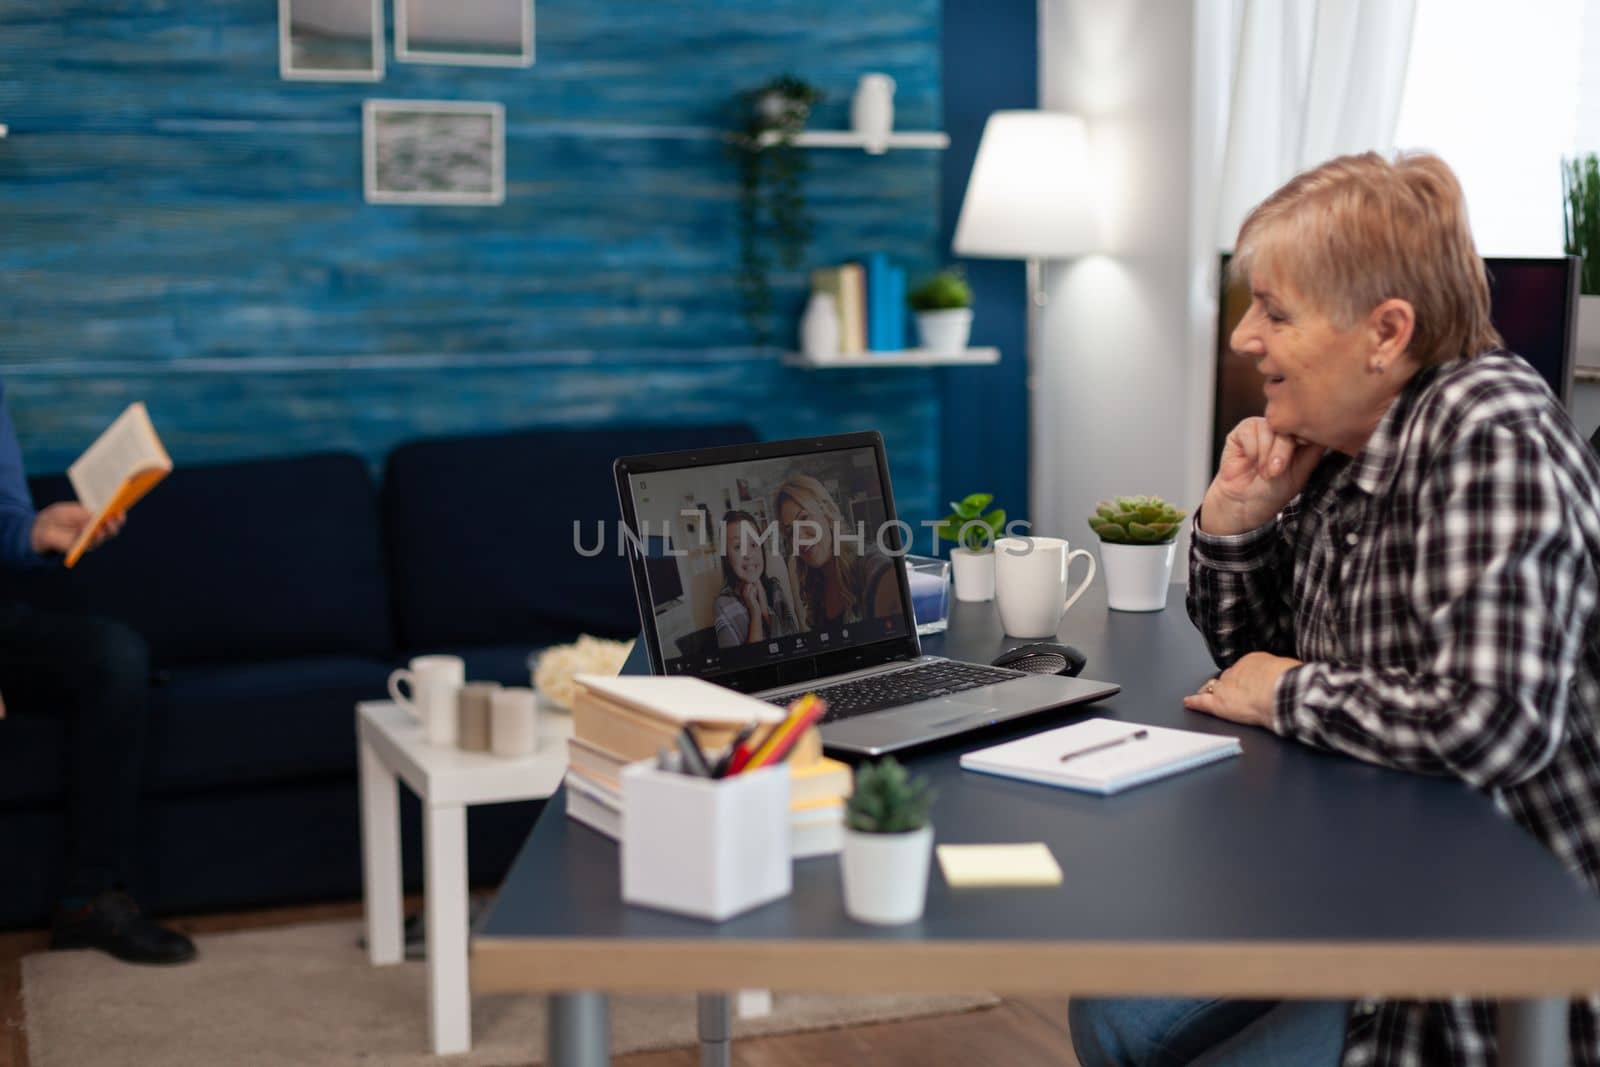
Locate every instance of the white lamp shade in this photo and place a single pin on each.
(1030, 194)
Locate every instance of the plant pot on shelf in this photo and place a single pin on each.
(974, 573)
(947, 332)
(1137, 576)
(886, 875)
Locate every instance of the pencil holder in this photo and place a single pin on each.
(710, 848)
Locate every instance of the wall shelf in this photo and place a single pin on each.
(931, 139)
(911, 357)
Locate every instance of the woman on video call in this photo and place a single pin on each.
(838, 578)
(752, 606)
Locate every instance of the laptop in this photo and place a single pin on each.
(776, 569)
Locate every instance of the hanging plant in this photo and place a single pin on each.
(771, 203)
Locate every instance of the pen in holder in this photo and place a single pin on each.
(706, 847)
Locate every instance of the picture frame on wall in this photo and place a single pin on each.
(330, 40)
(434, 152)
(485, 33)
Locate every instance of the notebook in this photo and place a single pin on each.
(1128, 762)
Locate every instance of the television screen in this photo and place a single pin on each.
(1532, 302)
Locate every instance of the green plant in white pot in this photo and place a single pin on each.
(943, 305)
(1137, 544)
(974, 532)
(1580, 187)
(888, 844)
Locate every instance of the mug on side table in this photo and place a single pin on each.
(433, 681)
(1030, 583)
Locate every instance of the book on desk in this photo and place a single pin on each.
(618, 721)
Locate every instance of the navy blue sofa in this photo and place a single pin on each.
(274, 595)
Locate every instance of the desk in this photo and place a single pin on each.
(1285, 873)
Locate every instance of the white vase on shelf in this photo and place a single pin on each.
(872, 111)
(819, 326)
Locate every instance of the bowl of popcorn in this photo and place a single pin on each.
(553, 668)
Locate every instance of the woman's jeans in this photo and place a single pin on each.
(1209, 1033)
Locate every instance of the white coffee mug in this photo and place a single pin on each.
(1030, 583)
(433, 682)
(513, 722)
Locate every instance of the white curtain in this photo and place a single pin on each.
(1309, 80)
(1281, 85)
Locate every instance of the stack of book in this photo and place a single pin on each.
(871, 299)
(618, 721)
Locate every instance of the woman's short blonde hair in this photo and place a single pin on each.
(1359, 230)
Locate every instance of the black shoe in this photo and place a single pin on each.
(112, 924)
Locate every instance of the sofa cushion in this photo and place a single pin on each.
(255, 723)
(240, 561)
(481, 533)
(32, 760)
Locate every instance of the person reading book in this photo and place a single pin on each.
(94, 675)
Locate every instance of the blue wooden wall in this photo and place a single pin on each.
(179, 225)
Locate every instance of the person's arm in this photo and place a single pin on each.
(17, 515)
(1239, 591)
(1505, 593)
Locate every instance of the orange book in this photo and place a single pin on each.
(113, 474)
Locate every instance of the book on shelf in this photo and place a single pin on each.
(113, 474)
(847, 285)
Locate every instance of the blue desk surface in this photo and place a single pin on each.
(1284, 845)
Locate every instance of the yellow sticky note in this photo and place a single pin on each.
(975, 866)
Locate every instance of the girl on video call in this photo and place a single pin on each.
(752, 606)
(835, 581)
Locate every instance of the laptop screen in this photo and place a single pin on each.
(768, 560)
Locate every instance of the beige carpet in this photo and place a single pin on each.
(305, 995)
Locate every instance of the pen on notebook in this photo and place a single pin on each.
(1137, 735)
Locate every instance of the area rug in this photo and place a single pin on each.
(306, 995)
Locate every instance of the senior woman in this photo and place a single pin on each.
(1398, 562)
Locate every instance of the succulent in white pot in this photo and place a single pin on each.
(1137, 544)
(974, 532)
(943, 306)
(888, 845)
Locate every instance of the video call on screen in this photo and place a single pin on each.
(748, 563)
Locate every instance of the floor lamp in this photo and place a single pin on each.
(1030, 197)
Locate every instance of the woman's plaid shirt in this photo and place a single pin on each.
(1440, 589)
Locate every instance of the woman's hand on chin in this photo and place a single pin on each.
(1261, 471)
(1246, 692)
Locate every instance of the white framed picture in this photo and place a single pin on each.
(487, 33)
(330, 40)
(434, 152)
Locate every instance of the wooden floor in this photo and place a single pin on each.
(1021, 1032)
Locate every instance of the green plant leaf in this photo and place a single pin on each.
(1114, 532)
(972, 505)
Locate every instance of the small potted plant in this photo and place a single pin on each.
(974, 531)
(943, 304)
(1136, 549)
(1580, 186)
(888, 843)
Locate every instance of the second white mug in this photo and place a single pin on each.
(1030, 583)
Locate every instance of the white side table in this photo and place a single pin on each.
(448, 782)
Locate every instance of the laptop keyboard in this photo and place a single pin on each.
(925, 681)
